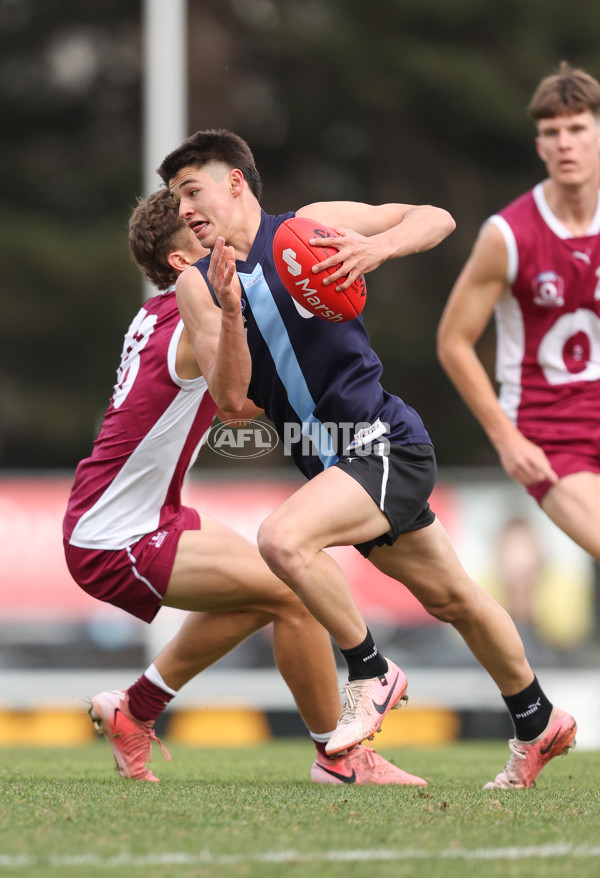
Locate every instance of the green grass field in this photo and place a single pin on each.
(253, 812)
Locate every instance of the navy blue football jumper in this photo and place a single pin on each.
(318, 382)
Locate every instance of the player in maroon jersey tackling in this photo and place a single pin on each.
(536, 265)
(129, 540)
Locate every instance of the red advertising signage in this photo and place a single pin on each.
(35, 583)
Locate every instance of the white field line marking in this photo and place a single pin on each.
(205, 858)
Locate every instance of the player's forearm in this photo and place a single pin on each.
(229, 375)
(422, 228)
(472, 382)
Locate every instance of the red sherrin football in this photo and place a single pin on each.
(294, 259)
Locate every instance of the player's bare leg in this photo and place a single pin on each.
(239, 595)
(205, 637)
(333, 509)
(234, 577)
(301, 648)
(425, 561)
(573, 505)
(542, 731)
(202, 640)
(303, 654)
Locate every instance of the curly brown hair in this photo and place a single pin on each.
(155, 228)
(568, 91)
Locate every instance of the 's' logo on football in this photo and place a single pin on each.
(295, 262)
(289, 257)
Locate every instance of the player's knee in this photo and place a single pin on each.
(278, 548)
(448, 612)
(452, 607)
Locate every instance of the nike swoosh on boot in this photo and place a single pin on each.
(381, 708)
(345, 778)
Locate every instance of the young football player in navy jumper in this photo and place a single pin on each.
(536, 266)
(130, 541)
(319, 382)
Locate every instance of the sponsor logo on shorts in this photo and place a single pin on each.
(158, 539)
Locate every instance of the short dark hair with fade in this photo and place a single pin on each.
(568, 91)
(155, 228)
(213, 145)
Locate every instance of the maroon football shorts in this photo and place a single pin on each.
(565, 461)
(135, 578)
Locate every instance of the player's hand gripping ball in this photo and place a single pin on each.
(294, 260)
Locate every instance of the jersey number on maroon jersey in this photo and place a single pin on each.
(136, 340)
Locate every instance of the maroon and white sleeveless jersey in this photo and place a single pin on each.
(548, 322)
(152, 432)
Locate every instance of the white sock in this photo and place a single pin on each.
(322, 738)
(153, 674)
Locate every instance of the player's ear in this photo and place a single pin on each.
(236, 182)
(179, 260)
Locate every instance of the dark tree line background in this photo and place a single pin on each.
(396, 100)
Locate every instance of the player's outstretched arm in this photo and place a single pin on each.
(372, 234)
(466, 315)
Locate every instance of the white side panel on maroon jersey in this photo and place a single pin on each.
(152, 432)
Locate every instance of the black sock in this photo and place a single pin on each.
(530, 711)
(364, 660)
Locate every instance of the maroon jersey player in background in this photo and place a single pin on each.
(536, 264)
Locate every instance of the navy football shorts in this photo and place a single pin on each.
(400, 482)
